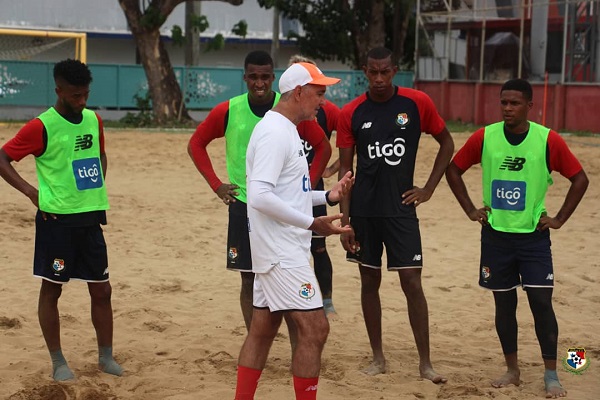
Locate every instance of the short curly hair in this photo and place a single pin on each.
(74, 72)
(258, 57)
(519, 85)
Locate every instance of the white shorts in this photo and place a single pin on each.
(287, 289)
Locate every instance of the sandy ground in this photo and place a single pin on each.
(178, 327)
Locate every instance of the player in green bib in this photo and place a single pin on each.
(517, 157)
(67, 141)
(235, 120)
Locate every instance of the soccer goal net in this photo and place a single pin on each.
(37, 45)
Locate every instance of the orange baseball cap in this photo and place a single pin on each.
(300, 74)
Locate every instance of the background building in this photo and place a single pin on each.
(109, 40)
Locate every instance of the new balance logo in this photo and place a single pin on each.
(83, 142)
(417, 257)
(550, 277)
(513, 164)
(311, 388)
(366, 125)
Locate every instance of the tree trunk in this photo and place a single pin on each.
(370, 34)
(167, 99)
(376, 31)
(400, 28)
(192, 36)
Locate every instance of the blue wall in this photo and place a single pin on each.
(28, 83)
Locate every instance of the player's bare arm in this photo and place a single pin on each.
(457, 185)
(579, 185)
(346, 160)
(13, 178)
(104, 163)
(332, 169)
(418, 195)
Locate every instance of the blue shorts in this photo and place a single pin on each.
(238, 240)
(509, 260)
(401, 237)
(65, 252)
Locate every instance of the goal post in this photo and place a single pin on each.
(28, 44)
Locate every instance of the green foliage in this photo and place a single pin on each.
(199, 22)
(152, 18)
(240, 29)
(177, 35)
(144, 117)
(327, 26)
(216, 43)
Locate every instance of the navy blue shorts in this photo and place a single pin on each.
(401, 237)
(65, 252)
(509, 260)
(239, 257)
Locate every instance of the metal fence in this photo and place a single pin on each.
(116, 86)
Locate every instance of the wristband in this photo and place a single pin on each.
(331, 203)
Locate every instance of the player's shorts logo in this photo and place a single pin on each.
(232, 254)
(58, 264)
(576, 361)
(402, 119)
(88, 173)
(307, 291)
(508, 195)
(486, 273)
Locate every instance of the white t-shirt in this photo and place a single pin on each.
(275, 159)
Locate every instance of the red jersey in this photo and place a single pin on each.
(215, 125)
(327, 118)
(31, 139)
(558, 155)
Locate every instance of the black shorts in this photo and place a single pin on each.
(319, 211)
(238, 238)
(64, 252)
(512, 259)
(401, 237)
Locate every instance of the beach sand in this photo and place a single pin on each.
(178, 325)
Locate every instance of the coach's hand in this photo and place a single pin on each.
(324, 225)
(342, 187)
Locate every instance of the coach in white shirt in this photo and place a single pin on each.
(280, 222)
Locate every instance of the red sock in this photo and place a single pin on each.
(306, 388)
(247, 381)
